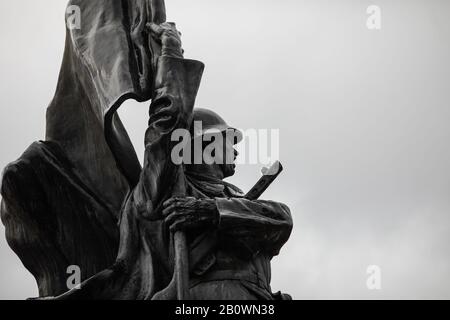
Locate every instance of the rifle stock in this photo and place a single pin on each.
(265, 181)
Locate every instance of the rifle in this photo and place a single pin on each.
(269, 176)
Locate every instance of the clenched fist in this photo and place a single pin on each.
(188, 213)
(170, 38)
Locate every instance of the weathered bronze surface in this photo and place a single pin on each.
(164, 231)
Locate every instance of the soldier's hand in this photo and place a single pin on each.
(170, 38)
(188, 213)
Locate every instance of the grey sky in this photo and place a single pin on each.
(363, 118)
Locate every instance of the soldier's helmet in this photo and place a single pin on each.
(211, 124)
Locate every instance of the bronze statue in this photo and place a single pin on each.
(164, 231)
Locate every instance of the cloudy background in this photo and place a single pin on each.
(363, 118)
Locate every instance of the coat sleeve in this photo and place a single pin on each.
(255, 226)
(176, 86)
(177, 83)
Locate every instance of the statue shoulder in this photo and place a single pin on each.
(234, 191)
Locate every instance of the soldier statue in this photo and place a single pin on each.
(137, 233)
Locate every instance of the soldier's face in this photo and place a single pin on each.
(230, 155)
(219, 156)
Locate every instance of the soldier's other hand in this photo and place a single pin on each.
(189, 213)
(170, 38)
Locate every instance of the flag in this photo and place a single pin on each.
(107, 60)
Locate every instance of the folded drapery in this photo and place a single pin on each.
(107, 60)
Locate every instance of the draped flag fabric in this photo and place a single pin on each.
(107, 60)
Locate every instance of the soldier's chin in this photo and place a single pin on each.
(228, 170)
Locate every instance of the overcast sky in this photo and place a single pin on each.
(363, 118)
